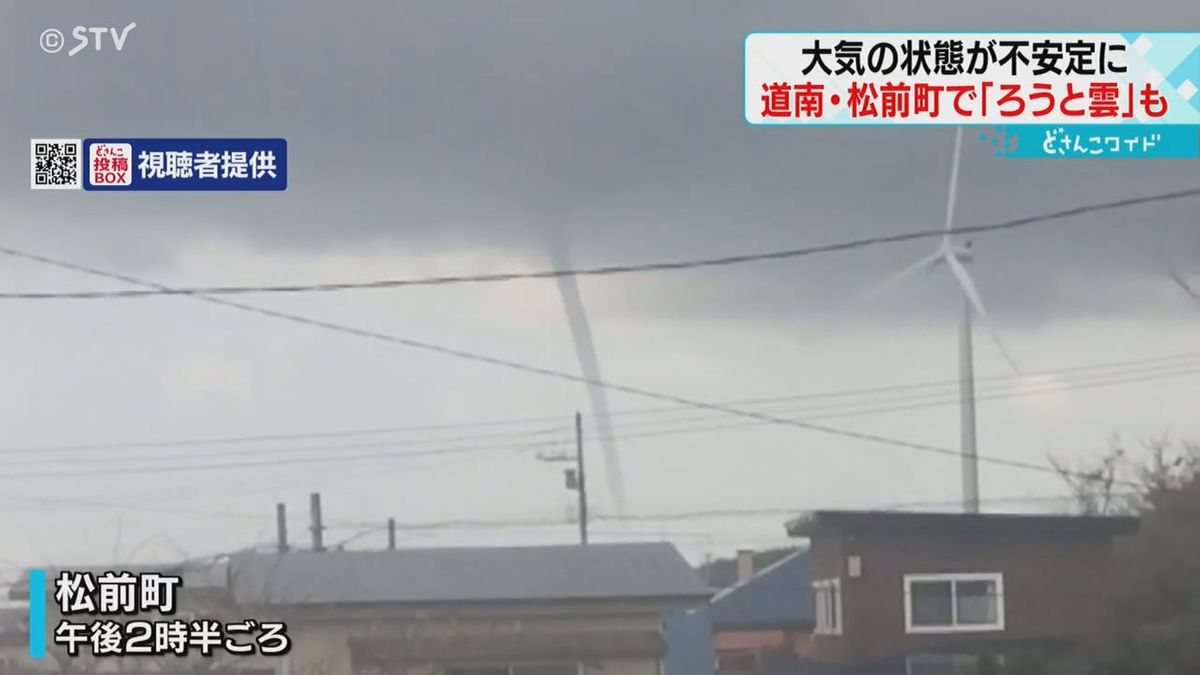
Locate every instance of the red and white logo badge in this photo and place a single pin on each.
(110, 164)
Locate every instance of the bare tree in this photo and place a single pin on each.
(1095, 487)
(1158, 591)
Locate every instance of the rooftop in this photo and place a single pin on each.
(778, 597)
(1022, 523)
(639, 571)
(722, 572)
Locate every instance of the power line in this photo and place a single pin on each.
(900, 404)
(536, 370)
(565, 376)
(341, 458)
(432, 450)
(843, 409)
(935, 384)
(1133, 366)
(240, 452)
(607, 270)
(705, 514)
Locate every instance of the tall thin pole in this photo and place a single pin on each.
(391, 534)
(970, 456)
(318, 529)
(583, 502)
(966, 357)
(281, 526)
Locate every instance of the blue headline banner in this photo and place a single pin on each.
(193, 164)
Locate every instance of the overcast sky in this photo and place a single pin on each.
(451, 137)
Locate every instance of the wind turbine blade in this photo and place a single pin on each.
(972, 292)
(896, 279)
(1001, 347)
(966, 282)
(952, 196)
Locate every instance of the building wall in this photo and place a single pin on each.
(320, 648)
(1055, 587)
(689, 643)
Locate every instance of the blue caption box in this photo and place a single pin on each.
(185, 164)
(1094, 141)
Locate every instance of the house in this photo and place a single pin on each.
(915, 593)
(550, 610)
(763, 623)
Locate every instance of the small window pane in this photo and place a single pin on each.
(932, 603)
(977, 602)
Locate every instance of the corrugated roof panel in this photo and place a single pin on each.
(597, 571)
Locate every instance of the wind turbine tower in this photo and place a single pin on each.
(955, 257)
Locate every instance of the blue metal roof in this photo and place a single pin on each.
(780, 596)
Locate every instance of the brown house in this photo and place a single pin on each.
(918, 593)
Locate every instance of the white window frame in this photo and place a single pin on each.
(821, 596)
(954, 627)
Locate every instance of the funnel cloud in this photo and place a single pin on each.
(589, 364)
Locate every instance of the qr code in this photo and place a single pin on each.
(54, 164)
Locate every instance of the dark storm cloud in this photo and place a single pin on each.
(443, 125)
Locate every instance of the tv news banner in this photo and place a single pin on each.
(158, 164)
(125, 614)
(1028, 95)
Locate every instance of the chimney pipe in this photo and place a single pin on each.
(281, 526)
(745, 564)
(391, 534)
(318, 530)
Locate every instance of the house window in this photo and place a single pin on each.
(944, 603)
(829, 606)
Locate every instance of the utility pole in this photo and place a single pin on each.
(281, 527)
(582, 488)
(318, 529)
(576, 478)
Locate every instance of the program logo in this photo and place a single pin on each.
(109, 164)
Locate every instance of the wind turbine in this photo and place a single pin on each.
(955, 257)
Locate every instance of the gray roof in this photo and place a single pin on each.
(448, 575)
(780, 596)
(819, 522)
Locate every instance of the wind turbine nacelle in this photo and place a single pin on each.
(962, 253)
